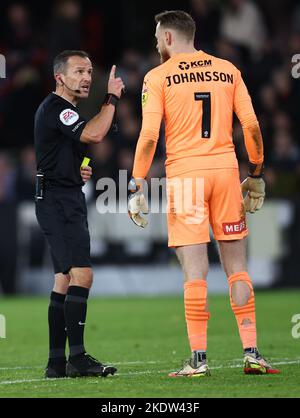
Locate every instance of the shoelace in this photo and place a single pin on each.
(267, 364)
(258, 356)
(186, 363)
(189, 363)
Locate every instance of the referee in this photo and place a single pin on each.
(61, 138)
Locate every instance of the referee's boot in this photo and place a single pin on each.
(85, 365)
(55, 369)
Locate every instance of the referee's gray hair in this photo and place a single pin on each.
(61, 60)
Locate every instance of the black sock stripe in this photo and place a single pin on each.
(58, 297)
(78, 291)
(76, 349)
(78, 299)
(57, 353)
(55, 304)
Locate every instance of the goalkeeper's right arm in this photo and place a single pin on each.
(144, 154)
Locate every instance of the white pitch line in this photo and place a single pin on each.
(126, 363)
(12, 382)
(285, 361)
(117, 364)
(129, 363)
(21, 368)
(136, 362)
(236, 366)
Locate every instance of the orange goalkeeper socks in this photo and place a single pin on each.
(244, 314)
(195, 298)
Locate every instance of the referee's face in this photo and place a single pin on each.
(78, 76)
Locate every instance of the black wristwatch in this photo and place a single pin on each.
(110, 98)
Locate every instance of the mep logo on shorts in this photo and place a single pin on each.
(68, 117)
(234, 227)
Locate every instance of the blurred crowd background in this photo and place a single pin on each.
(259, 37)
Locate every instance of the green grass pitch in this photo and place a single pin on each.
(146, 338)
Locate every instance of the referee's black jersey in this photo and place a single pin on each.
(57, 131)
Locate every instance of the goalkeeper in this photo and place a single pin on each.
(196, 95)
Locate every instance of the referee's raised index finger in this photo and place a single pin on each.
(112, 72)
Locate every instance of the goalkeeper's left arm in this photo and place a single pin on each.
(254, 184)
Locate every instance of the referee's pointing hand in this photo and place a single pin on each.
(115, 84)
(113, 72)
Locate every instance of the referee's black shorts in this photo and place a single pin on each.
(62, 216)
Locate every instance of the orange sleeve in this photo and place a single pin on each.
(152, 93)
(244, 110)
(152, 103)
(146, 145)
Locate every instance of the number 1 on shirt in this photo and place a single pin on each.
(206, 112)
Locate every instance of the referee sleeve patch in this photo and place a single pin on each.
(68, 117)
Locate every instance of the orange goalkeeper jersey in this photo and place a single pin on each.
(196, 95)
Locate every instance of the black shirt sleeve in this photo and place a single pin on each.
(65, 117)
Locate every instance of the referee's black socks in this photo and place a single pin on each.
(57, 327)
(75, 315)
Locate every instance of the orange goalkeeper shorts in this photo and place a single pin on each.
(203, 198)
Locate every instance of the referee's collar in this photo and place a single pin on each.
(53, 92)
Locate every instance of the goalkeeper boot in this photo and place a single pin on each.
(194, 367)
(254, 363)
(55, 368)
(85, 365)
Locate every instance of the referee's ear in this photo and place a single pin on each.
(58, 80)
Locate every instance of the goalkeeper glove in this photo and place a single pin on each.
(255, 188)
(136, 205)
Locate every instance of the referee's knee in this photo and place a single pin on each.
(81, 276)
